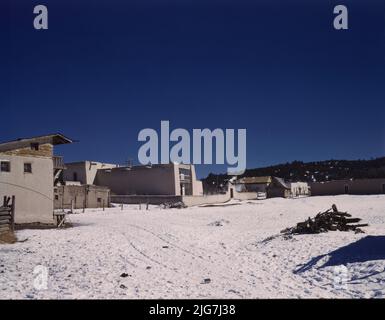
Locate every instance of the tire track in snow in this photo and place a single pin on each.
(167, 241)
(222, 274)
(141, 252)
(215, 269)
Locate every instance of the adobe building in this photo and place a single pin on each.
(81, 196)
(84, 172)
(356, 186)
(299, 189)
(253, 184)
(29, 170)
(160, 179)
(271, 186)
(278, 188)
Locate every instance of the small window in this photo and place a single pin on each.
(56, 197)
(75, 176)
(99, 199)
(27, 167)
(5, 166)
(35, 146)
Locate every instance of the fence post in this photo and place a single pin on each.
(103, 204)
(122, 206)
(13, 213)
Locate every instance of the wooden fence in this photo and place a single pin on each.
(7, 215)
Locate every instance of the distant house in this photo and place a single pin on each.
(354, 186)
(300, 189)
(253, 184)
(278, 188)
(160, 179)
(29, 170)
(272, 186)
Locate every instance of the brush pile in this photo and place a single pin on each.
(330, 220)
(172, 205)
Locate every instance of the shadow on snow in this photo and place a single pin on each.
(365, 249)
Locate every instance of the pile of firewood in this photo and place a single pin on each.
(173, 205)
(330, 220)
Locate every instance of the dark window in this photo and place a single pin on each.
(56, 197)
(185, 172)
(28, 167)
(35, 146)
(99, 199)
(5, 166)
(75, 176)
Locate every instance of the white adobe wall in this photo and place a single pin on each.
(245, 195)
(300, 188)
(209, 199)
(176, 179)
(197, 187)
(92, 168)
(140, 180)
(33, 191)
(218, 198)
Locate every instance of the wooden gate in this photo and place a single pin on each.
(7, 215)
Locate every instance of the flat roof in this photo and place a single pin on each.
(92, 162)
(141, 166)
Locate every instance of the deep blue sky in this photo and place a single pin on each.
(106, 69)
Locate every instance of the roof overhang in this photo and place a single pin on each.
(54, 139)
(60, 139)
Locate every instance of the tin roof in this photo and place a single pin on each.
(255, 180)
(281, 183)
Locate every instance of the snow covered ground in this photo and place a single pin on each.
(201, 252)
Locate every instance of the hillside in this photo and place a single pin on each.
(309, 172)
